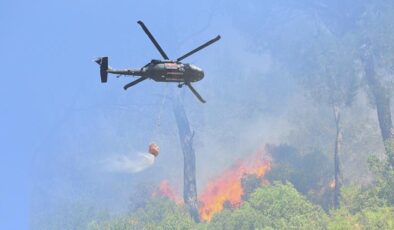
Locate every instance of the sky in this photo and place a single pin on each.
(48, 75)
(60, 124)
(59, 121)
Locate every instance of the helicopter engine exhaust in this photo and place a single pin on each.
(103, 62)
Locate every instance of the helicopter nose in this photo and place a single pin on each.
(200, 74)
(196, 73)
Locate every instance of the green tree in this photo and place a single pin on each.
(367, 208)
(276, 206)
(379, 218)
(342, 219)
(384, 173)
(250, 183)
(69, 216)
(159, 213)
(356, 198)
(245, 217)
(309, 172)
(369, 218)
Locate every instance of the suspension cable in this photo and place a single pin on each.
(158, 118)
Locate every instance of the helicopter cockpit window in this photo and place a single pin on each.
(195, 68)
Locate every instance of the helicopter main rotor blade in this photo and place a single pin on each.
(199, 48)
(195, 92)
(163, 54)
(134, 82)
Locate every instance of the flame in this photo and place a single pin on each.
(227, 188)
(332, 184)
(166, 190)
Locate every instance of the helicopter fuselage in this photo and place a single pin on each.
(172, 71)
(166, 71)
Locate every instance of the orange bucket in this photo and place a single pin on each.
(154, 149)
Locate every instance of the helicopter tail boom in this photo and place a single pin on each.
(103, 62)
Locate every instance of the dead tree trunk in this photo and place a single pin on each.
(189, 173)
(338, 146)
(382, 101)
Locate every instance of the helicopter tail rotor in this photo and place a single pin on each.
(103, 62)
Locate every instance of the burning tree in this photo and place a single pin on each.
(165, 190)
(227, 189)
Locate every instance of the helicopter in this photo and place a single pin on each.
(166, 70)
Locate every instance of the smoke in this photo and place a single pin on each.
(252, 99)
(128, 163)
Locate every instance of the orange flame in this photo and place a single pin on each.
(332, 184)
(166, 190)
(227, 188)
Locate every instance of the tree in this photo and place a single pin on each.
(376, 52)
(384, 173)
(367, 208)
(341, 219)
(334, 81)
(75, 215)
(243, 218)
(189, 174)
(159, 213)
(356, 198)
(276, 206)
(379, 218)
(373, 32)
(309, 172)
(361, 209)
(314, 45)
(371, 23)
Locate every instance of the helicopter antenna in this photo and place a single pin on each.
(199, 48)
(163, 54)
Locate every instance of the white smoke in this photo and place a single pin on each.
(129, 163)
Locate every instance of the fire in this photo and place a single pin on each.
(227, 188)
(332, 184)
(166, 190)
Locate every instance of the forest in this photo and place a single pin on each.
(300, 138)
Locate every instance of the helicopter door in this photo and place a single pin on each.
(174, 70)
